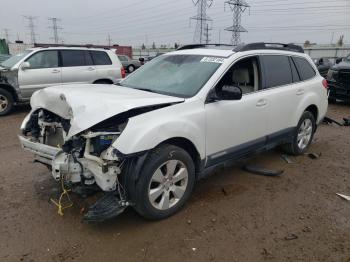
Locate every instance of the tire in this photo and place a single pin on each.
(304, 131)
(332, 100)
(153, 189)
(102, 82)
(6, 102)
(131, 68)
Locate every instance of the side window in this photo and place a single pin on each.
(244, 74)
(100, 58)
(43, 59)
(295, 74)
(73, 58)
(277, 70)
(304, 68)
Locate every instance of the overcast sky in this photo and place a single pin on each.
(134, 22)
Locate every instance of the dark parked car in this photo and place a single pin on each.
(323, 65)
(339, 80)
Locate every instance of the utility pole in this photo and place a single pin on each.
(201, 19)
(206, 34)
(30, 19)
(109, 40)
(55, 28)
(237, 7)
(7, 34)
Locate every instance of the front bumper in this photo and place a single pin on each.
(63, 165)
(43, 153)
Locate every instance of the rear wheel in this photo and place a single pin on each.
(131, 68)
(6, 102)
(165, 183)
(303, 134)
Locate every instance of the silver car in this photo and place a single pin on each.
(129, 64)
(37, 68)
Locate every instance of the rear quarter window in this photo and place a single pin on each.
(277, 70)
(100, 58)
(305, 70)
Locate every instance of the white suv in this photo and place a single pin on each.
(174, 120)
(37, 68)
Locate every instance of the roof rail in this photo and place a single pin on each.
(271, 46)
(193, 46)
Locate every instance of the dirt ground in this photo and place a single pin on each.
(232, 215)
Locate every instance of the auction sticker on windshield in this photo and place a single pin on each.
(211, 59)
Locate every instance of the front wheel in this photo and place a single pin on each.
(6, 102)
(303, 134)
(165, 183)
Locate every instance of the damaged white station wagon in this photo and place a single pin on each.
(145, 141)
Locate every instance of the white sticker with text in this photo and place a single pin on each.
(218, 60)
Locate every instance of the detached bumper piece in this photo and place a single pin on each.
(107, 207)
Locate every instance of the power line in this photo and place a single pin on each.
(31, 27)
(55, 28)
(201, 19)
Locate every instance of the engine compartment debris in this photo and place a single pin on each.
(258, 170)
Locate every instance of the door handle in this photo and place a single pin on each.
(91, 68)
(261, 102)
(56, 71)
(300, 92)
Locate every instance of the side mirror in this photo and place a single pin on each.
(25, 65)
(141, 59)
(225, 92)
(338, 60)
(230, 92)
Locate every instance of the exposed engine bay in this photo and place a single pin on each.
(86, 162)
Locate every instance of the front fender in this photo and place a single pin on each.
(146, 131)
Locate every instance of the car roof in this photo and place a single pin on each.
(203, 51)
(67, 48)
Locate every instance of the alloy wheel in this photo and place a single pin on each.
(304, 134)
(3, 103)
(168, 185)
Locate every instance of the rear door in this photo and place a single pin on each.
(77, 67)
(281, 87)
(44, 71)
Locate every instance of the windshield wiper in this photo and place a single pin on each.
(147, 90)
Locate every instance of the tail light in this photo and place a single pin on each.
(325, 83)
(122, 71)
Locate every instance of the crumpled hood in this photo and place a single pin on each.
(87, 105)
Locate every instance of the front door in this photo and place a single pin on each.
(236, 127)
(43, 71)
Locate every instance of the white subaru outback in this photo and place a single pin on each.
(145, 141)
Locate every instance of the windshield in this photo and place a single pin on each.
(15, 59)
(176, 75)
